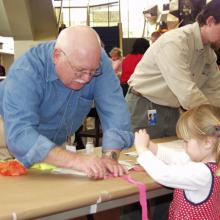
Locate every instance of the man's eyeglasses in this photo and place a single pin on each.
(79, 72)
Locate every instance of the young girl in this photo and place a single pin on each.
(194, 173)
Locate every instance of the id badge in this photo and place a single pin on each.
(152, 117)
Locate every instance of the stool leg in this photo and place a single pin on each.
(97, 132)
(78, 139)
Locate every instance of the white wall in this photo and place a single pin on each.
(22, 46)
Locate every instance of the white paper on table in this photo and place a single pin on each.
(132, 153)
(68, 171)
(177, 144)
(127, 164)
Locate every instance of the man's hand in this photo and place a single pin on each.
(110, 161)
(94, 166)
(113, 167)
(90, 164)
(97, 168)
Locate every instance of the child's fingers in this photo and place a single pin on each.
(142, 131)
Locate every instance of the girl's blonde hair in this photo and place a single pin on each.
(199, 123)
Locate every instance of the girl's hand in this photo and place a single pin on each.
(141, 141)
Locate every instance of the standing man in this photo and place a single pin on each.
(48, 93)
(178, 70)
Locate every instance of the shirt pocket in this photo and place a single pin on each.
(82, 109)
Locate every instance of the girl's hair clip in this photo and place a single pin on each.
(217, 127)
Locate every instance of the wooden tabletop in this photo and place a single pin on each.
(41, 193)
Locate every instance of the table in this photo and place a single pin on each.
(42, 195)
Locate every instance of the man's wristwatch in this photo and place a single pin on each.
(111, 154)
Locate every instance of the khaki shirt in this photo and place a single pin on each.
(178, 70)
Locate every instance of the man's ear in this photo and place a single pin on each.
(210, 21)
(56, 55)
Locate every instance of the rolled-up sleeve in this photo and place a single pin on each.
(21, 103)
(112, 109)
(117, 139)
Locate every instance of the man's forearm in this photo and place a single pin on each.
(60, 157)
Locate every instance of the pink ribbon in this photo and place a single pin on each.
(142, 195)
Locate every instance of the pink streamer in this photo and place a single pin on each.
(142, 195)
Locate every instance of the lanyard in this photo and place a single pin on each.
(142, 195)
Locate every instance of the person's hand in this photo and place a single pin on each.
(113, 167)
(90, 164)
(141, 141)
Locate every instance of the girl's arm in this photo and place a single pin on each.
(185, 175)
(188, 176)
(168, 155)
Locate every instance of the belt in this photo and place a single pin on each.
(131, 90)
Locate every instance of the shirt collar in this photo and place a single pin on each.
(198, 38)
(51, 71)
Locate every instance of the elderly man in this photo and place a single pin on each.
(49, 91)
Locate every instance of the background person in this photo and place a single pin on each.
(62, 26)
(131, 60)
(178, 70)
(48, 93)
(116, 56)
(195, 173)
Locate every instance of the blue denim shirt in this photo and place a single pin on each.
(40, 112)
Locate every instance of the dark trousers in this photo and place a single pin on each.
(167, 117)
(124, 87)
